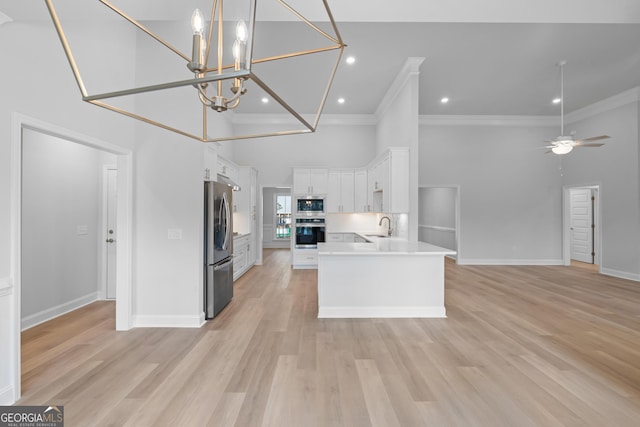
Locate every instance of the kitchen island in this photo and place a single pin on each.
(384, 277)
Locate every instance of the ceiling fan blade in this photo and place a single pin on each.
(593, 138)
(591, 144)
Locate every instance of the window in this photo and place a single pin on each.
(282, 204)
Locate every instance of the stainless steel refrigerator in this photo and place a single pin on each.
(218, 247)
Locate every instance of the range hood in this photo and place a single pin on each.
(226, 180)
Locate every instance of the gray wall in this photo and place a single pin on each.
(615, 167)
(510, 191)
(437, 216)
(61, 191)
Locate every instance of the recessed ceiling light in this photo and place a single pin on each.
(350, 60)
(444, 100)
(340, 100)
(557, 100)
(265, 100)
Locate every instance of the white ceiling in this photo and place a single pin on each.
(495, 57)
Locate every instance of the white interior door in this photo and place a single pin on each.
(111, 232)
(581, 225)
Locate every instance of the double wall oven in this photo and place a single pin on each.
(309, 221)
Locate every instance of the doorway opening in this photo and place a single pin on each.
(582, 230)
(439, 216)
(77, 230)
(276, 217)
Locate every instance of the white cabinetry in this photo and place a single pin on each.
(305, 258)
(310, 181)
(388, 181)
(341, 191)
(227, 168)
(361, 199)
(343, 237)
(240, 255)
(244, 221)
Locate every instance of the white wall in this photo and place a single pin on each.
(60, 192)
(615, 167)
(510, 191)
(340, 146)
(169, 174)
(398, 126)
(49, 94)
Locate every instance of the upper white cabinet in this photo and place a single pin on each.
(341, 191)
(210, 163)
(227, 168)
(388, 181)
(361, 198)
(310, 181)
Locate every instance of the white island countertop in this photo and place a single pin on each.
(382, 246)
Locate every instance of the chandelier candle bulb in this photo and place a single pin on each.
(199, 45)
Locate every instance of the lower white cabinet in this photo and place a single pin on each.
(243, 254)
(305, 258)
(341, 237)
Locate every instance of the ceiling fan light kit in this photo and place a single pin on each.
(565, 144)
(218, 86)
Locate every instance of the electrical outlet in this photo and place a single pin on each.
(174, 234)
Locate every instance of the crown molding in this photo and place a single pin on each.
(627, 97)
(478, 120)
(325, 119)
(410, 68)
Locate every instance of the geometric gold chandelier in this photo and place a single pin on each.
(221, 71)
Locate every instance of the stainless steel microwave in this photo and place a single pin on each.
(310, 205)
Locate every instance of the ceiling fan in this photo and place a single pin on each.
(564, 144)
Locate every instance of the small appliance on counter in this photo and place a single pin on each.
(218, 247)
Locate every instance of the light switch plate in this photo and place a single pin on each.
(174, 234)
(82, 230)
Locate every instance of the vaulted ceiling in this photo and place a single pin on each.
(495, 57)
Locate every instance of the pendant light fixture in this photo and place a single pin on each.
(219, 81)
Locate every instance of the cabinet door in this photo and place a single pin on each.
(318, 181)
(386, 187)
(347, 192)
(360, 199)
(399, 181)
(301, 181)
(332, 201)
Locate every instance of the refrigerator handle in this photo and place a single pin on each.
(227, 210)
(223, 265)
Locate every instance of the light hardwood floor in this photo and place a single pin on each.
(522, 346)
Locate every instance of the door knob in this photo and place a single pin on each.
(110, 240)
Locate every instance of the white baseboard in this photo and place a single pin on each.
(305, 267)
(477, 261)
(141, 321)
(7, 396)
(59, 310)
(621, 274)
(386, 312)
